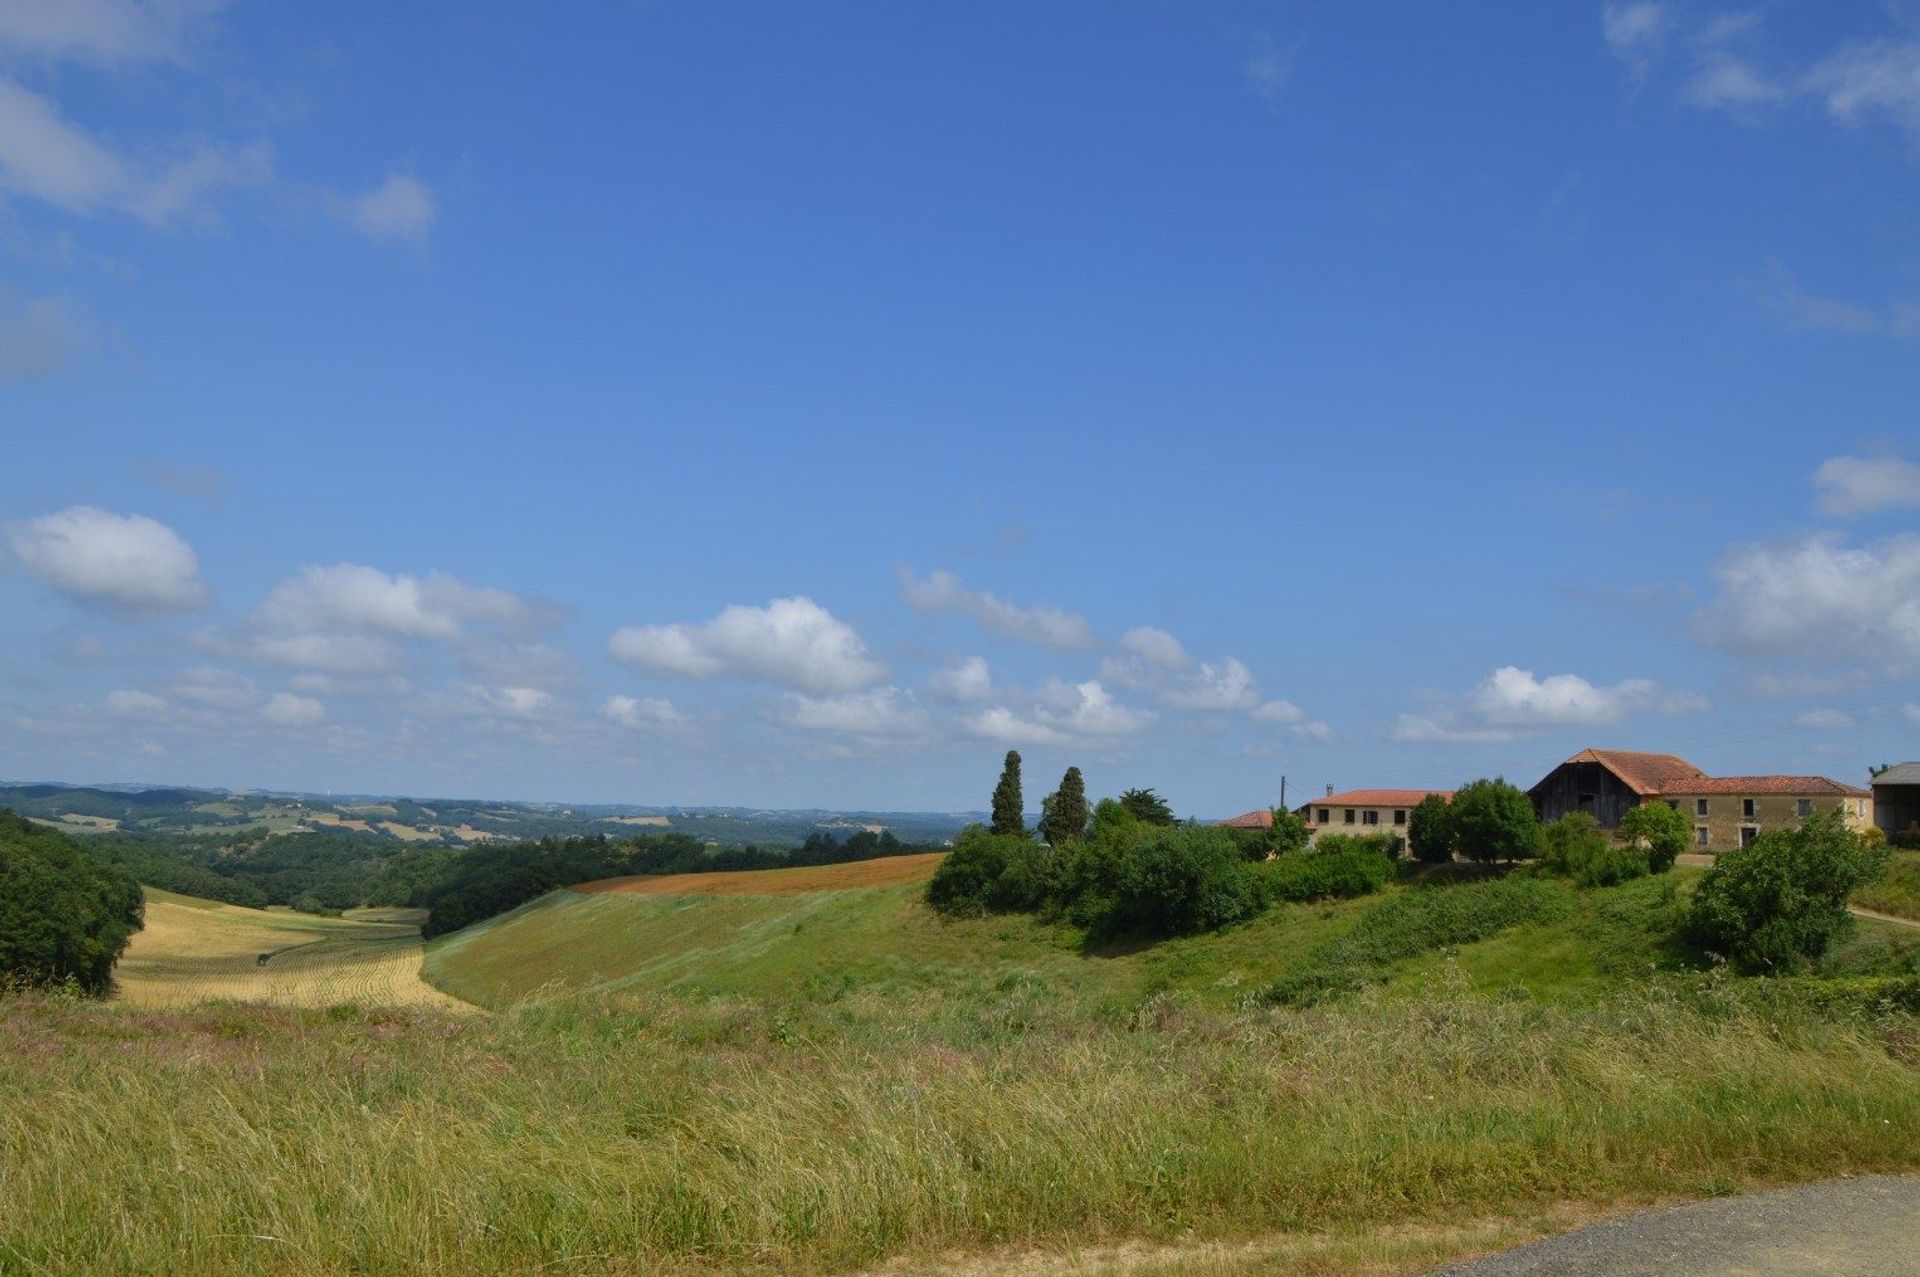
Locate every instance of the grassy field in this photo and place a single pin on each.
(197, 950)
(1898, 893)
(841, 1081)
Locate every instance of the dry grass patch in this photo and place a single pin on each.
(888, 871)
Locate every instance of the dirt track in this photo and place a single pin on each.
(888, 871)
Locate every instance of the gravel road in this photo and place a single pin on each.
(1841, 1228)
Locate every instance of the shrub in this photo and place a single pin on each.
(1772, 906)
(1613, 865)
(1662, 830)
(1430, 830)
(1328, 876)
(1493, 820)
(1908, 839)
(1289, 833)
(64, 916)
(1567, 844)
(1378, 844)
(1872, 838)
(988, 873)
(1180, 880)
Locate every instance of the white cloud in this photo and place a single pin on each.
(1872, 78)
(1270, 67)
(289, 710)
(641, 712)
(1911, 711)
(1817, 598)
(1514, 697)
(126, 561)
(346, 654)
(400, 208)
(1279, 712)
(43, 156)
(1223, 685)
(790, 642)
(1861, 485)
(513, 702)
(37, 338)
(1156, 647)
(1825, 719)
(1314, 730)
(350, 598)
(135, 702)
(181, 189)
(103, 32)
(1062, 712)
(880, 713)
(1726, 82)
(964, 680)
(1423, 729)
(1635, 33)
(215, 688)
(942, 594)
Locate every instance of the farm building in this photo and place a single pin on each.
(1896, 798)
(1726, 811)
(1364, 811)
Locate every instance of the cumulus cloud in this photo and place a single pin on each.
(101, 32)
(1156, 647)
(942, 594)
(123, 561)
(1861, 485)
(964, 680)
(880, 713)
(1279, 712)
(215, 688)
(135, 702)
(343, 654)
(792, 643)
(349, 597)
(1426, 730)
(400, 208)
(37, 338)
(512, 702)
(1062, 712)
(1511, 696)
(289, 710)
(1817, 598)
(641, 712)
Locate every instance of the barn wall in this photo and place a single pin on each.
(1561, 790)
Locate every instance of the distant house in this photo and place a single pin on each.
(1896, 798)
(1726, 811)
(1364, 811)
(1262, 818)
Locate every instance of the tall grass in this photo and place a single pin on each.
(625, 1134)
(1898, 890)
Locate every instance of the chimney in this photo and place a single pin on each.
(1329, 790)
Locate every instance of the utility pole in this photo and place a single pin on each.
(1283, 793)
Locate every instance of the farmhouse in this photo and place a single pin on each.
(1364, 811)
(1896, 798)
(1259, 818)
(1726, 811)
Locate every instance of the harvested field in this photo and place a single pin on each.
(196, 950)
(888, 871)
(407, 833)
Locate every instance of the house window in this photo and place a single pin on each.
(1803, 808)
(1586, 802)
(1348, 818)
(1747, 834)
(1325, 815)
(1746, 809)
(1400, 816)
(1699, 806)
(1674, 803)
(1699, 835)
(1369, 817)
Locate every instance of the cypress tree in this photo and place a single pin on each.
(1008, 817)
(1064, 814)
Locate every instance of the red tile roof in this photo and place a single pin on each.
(1260, 819)
(1375, 798)
(1644, 774)
(1796, 786)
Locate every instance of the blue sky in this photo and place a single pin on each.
(799, 405)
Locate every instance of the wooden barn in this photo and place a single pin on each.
(1608, 783)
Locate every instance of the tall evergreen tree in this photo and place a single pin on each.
(1008, 817)
(1063, 813)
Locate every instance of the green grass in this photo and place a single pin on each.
(1898, 892)
(825, 1083)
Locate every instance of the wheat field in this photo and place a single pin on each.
(195, 951)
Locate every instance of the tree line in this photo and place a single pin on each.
(65, 916)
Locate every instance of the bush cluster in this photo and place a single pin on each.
(1575, 847)
(65, 917)
(1772, 906)
(1131, 877)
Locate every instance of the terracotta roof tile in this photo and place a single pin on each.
(1258, 819)
(1798, 786)
(1644, 774)
(1375, 798)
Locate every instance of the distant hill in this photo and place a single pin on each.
(93, 809)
